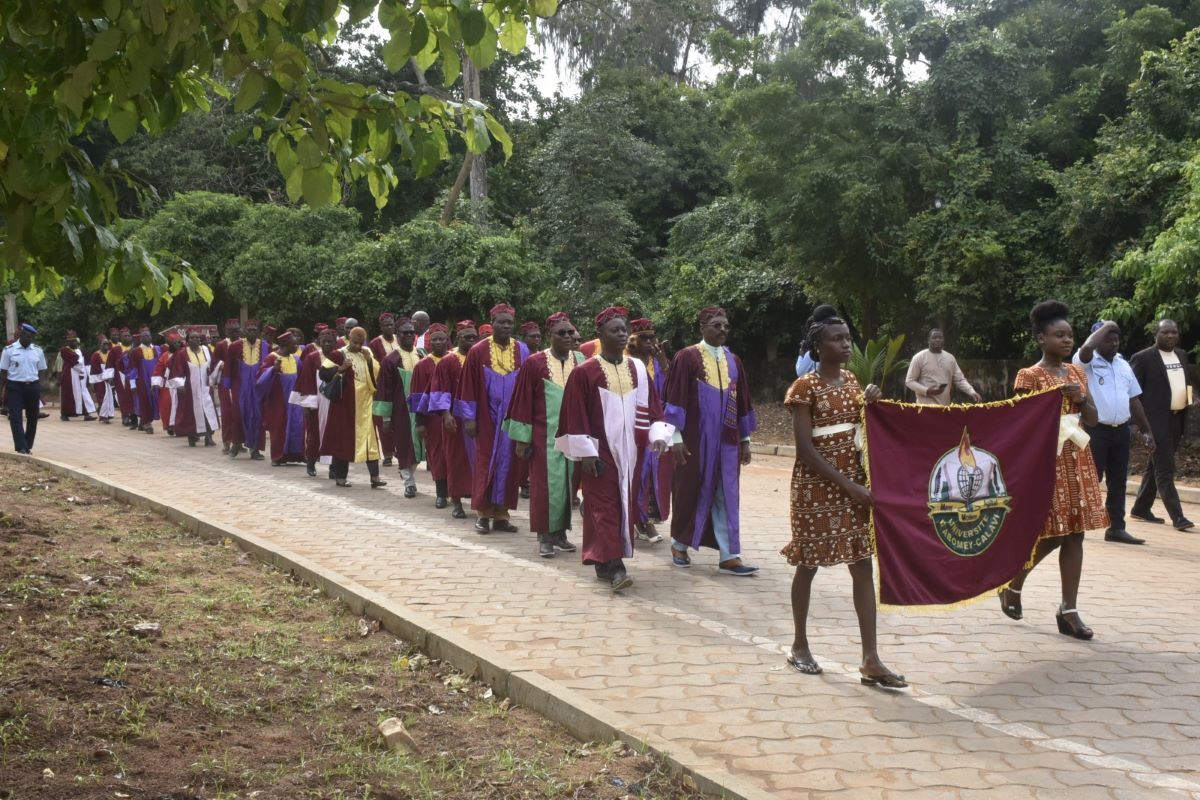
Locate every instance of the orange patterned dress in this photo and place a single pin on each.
(1078, 504)
(827, 526)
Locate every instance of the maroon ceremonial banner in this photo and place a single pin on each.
(961, 494)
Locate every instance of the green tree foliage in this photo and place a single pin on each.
(722, 253)
(143, 64)
(454, 271)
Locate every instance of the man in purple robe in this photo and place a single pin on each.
(274, 386)
(708, 401)
(139, 371)
(242, 365)
(489, 376)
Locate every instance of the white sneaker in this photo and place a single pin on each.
(647, 533)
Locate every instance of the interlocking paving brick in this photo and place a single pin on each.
(999, 708)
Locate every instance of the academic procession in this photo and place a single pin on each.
(949, 501)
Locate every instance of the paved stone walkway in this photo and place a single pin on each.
(1011, 709)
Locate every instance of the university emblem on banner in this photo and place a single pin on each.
(968, 499)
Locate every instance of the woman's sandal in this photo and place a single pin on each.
(808, 667)
(886, 680)
(1011, 610)
(1069, 629)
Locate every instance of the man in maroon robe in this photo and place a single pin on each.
(484, 392)
(100, 379)
(381, 347)
(610, 415)
(654, 484)
(307, 395)
(74, 399)
(349, 434)
(190, 376)
(532, 425)
(531, 335)
(391, 408)
(429, 422)
(242, 363)
(231, 420)
(274, 386)
(116, 362)
(707, 399)
(460, 448)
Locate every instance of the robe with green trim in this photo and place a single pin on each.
(533, 419)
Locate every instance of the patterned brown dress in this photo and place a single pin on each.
(1077, 504)
(827, 526)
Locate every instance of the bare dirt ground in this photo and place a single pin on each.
(252, 685)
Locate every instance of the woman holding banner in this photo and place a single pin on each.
(1077, 504)
(831, 504)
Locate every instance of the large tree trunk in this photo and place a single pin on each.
(456, 190)
(479, 188)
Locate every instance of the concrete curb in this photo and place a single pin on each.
(1188, 494)
(583, 718)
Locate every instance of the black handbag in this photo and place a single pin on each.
(333, 388)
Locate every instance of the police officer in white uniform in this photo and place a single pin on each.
(22, 366)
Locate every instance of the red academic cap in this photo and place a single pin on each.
(320, 326)
(529, 327)
(501, 308)
(233, 322)
(641, 325)
(387, 316)
(270, 330)
(286, 338)
(709, 313)
(436, 327)
(485, 329)
(250, 322)
(612, 312)
(72, 335)
(557, 317)
(341, 320)
(463, 324)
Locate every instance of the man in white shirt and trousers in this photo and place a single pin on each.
(1116, 392)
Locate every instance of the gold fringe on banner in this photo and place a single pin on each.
(866, 461)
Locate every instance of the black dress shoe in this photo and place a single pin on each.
(458, 512)
(378, 483)
(560, 541)
(344, 484)
(1147, 517)
(441, 502)
(256, 456)
(602, 573)
(483, 525)
(410, 492)
(311, 470)
(1184, 525)
(503, 526)
(1121, 535)
(620, 578)
(545, 545)
(524, 492)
